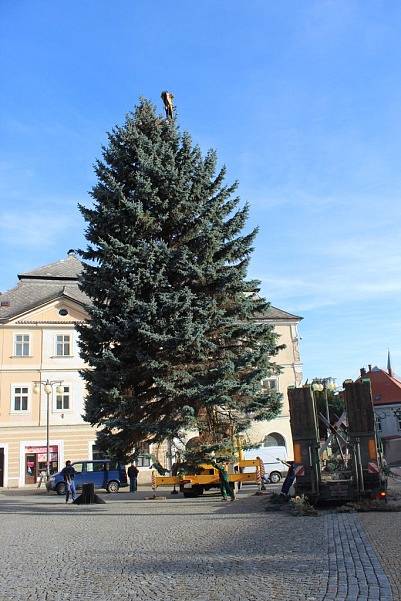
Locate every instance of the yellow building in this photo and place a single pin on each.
(39, 343)
(277, 432)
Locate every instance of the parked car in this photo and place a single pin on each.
(104, 473)
(274, 469)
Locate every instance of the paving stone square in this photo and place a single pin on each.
(182, 549)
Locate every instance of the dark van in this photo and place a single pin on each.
(104, 473)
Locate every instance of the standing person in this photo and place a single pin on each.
(68, 473)
(290, 477)
(42, 478)
(225, 487)
(133, 477)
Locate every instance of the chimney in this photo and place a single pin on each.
(370, 367)
(363, 372)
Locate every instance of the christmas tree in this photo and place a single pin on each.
(175, 338)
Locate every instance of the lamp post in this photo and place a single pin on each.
(48, 388)
(324, 385)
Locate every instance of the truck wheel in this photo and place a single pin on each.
(60, 488)
(189, 494)
(198, 490)
(275, 477)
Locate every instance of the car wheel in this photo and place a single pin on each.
(275, 477)
(60, 488)
(113, 486)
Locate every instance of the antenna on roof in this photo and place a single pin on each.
(390, 371)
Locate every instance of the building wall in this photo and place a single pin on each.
(72, 443)
(387, 421)
(291, 375)
(22, 430)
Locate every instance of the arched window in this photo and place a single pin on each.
(274, 440)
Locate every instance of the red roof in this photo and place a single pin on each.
(386, 389)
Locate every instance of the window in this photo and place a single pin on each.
(63, 345)
(144, 458)
(63, 312)
(20, 398)
(94, 467)
(378, 421)
(22, 345)
(63, 399)
(274, 440)
(397, 415)
(97, 453)
(77, 467)
(270, 384)
(143, 461)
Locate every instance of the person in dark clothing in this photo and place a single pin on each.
(68, 473)
(133, 477)
(290, 477)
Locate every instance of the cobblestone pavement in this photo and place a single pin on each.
(181, 550)
(384, 532)
(354, 568)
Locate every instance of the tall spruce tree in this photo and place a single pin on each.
(175, 337)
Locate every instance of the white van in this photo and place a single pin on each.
(274, 470)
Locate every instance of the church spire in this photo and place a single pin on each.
(390, 372)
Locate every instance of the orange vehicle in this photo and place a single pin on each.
(207, 477)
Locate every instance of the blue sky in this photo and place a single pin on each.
(300, 99)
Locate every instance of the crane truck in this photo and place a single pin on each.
(206, 476)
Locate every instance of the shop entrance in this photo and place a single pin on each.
(35, 462)
(30, 468)
(1, 468)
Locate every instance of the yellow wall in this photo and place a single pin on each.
(75, 445)
(73, 434)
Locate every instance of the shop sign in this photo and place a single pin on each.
(41, 450)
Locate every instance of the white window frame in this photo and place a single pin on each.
(15, 345)
(55, 395)
(12, 399)
(64, 334)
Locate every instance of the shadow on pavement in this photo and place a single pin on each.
(133, 504)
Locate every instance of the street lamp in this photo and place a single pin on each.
(48, 388)
(324, 385)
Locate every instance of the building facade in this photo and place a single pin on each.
(386, 395)
(39, 345)
(277, 432)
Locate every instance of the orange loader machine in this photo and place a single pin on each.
(207, 477)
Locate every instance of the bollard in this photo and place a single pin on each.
(88, 496)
